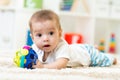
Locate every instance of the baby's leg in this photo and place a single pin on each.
(98, 58)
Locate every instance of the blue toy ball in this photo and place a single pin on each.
(25, 57)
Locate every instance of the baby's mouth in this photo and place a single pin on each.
(46, 45)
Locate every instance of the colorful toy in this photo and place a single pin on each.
(73, 38)
(29, 39)
(112, 45)
(101, 46)
(25, 57)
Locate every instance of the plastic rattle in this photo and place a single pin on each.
(25, 57)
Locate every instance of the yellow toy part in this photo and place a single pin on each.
(18, 56)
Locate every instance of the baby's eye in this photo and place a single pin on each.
(51, 33)
(39, 35)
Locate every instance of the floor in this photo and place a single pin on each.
(8, 71)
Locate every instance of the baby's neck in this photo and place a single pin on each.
(45, 56)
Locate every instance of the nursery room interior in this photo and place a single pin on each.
(94, 22)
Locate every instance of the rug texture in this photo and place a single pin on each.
(8, 71)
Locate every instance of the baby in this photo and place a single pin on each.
(54, 52)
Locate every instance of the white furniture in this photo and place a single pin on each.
(94, 19)
(99, 19)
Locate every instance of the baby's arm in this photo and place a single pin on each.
(58, 64)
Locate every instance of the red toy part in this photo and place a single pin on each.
(73, 38)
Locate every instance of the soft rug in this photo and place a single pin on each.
(8, 71)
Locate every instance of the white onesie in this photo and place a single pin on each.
(78, 55)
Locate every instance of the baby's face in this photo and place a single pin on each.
(45, 35)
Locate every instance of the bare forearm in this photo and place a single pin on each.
(54, 66)
(59, 64)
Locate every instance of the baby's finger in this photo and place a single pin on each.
(33, 66)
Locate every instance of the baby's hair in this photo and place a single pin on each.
(44, 15)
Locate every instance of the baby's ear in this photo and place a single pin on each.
(60, 32)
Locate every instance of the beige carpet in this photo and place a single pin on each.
(8, 71)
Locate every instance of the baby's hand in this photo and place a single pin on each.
(38, 64)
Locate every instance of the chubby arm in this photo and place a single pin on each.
(58, 64)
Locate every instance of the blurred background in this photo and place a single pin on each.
(96, 22)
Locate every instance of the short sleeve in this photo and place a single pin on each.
(63, 52)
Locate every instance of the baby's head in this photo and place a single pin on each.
(45, 30)
(45, 15)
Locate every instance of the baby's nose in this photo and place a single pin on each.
(45, 38)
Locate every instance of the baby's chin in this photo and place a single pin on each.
(47, 52)
(48, 49)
